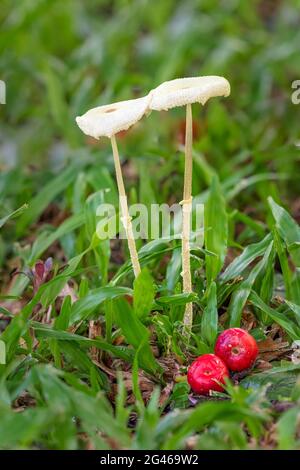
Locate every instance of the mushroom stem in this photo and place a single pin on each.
(126, 219)
(186, 219)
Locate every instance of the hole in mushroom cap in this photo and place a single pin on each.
(110, 110)
(206, 372)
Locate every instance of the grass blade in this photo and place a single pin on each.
(216, 230)
(209, 321)
(242, 292)
(250, 253)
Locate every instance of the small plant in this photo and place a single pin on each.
(207, 373)
(237, 348)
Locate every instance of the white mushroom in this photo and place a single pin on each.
(106, 121)
(185, 92)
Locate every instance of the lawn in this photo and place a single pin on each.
(92, 356)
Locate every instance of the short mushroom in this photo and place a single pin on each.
(107, 121)
(185, 92)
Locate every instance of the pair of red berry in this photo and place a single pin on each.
(235, 350)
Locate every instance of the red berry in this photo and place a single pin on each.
(237, 348)
(205, 373)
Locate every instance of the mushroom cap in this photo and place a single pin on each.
(183, 91)
(112, 118)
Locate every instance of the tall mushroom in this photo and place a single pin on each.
(107, 121)
(185, 92)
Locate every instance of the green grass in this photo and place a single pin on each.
(90, 358)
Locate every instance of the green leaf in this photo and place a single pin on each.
(287, 427)
(51, 290)
(149, 252)
(284, 263)
(58, 103)
(85, 306)
(101, 248)
(47, 332)
(2, 352)
(46, 239)
(242, 292)
(173, 270)
(63, 319)
(289, 326)
(207, 413)
(265, 281)
(135, 381)
(295, 309)
(180, 395)
(288, 229)
(13, 214)
(209, 321)
(45, 196)
(295, 286)
(280, 381)
(90, 210)
(216, 230)
(122, 413)
(136, 334)
(250, 253)
(177, 299)
(82, 361)
(143, 293)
